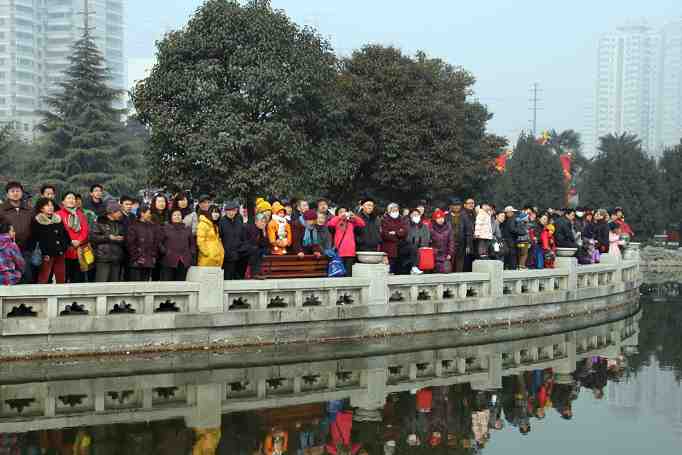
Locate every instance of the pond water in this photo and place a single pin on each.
(620, 396)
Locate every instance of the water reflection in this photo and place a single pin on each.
(493, 397)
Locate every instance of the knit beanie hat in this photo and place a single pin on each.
(262, 205)
(310, 215)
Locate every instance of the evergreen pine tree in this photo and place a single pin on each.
(86, 141)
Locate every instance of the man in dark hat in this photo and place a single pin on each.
(234, 237)
(368, 238)
(108, 240)
(455, 219)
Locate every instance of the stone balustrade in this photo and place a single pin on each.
(206, 311)
(201, 397)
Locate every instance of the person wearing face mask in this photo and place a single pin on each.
(418, 236)
(209, 246)
(393, 232)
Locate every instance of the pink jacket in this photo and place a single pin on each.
(344, 234)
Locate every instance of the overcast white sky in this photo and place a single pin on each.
(507, 44)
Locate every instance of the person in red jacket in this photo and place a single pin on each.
(393, 232)
(548, 246)
(340, 430)
(76, 225)
(344, 225)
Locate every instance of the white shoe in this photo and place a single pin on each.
(416, 271)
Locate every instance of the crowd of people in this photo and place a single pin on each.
(69, 238)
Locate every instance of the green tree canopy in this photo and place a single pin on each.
(670, 168)
(237, 101)
(85, 140)
(410, 131)
(622, 175)
(534, 176)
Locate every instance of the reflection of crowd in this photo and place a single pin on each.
(444, 419)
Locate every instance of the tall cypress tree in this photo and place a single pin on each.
(85, 139)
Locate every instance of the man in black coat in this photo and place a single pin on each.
(511, 230)
(564, 235)
(467, 225)
(368, 238)
(234, 237)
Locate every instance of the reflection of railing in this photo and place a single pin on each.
(207, 310)
(366, 381)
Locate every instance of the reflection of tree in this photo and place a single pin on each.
(659, 336)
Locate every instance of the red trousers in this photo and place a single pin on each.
(56, 265)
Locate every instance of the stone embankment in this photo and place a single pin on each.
(206, 312)
(655, 259)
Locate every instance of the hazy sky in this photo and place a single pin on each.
(508, 45)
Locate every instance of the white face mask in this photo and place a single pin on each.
(394, 215)
(416, 219)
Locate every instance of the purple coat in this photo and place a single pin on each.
(443, 242)
(178, 245)
(143, 241)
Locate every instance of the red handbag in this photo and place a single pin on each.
(427, 259)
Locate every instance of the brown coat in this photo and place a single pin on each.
(21, 218)
(398, 227)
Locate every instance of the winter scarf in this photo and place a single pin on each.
(46, 220)
(311, 236)
(73, 221)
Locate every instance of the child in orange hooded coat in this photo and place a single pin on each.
(279, 231)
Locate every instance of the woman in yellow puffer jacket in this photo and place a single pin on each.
(211, 251)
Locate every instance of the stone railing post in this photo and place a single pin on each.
(211, 288)
(571, 265)
(613, 260)
(495, 271)
(207, 409)
(377, 274)
(370, 402)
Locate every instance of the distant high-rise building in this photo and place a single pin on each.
(35, 41)
(668, 119)
(639, 85)
(627, 69)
